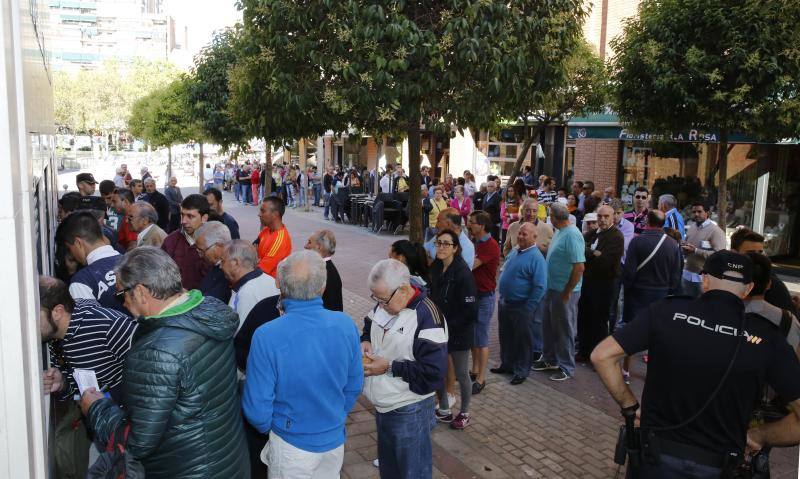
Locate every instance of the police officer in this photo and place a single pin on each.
(707, 367)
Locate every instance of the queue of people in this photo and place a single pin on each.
(206, 342)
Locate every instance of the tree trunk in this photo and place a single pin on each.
(202, 171)
(268, 172)
(169, 163)
(414, 200)
(722, 162)
(526, 145)
(376, 184)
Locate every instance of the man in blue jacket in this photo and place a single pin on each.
(304, 374)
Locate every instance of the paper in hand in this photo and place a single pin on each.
(85, 378)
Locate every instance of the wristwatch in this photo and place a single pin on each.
(389, 371)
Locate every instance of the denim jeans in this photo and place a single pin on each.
(536, 328)
(246, 198)
(485, 311)
(637, 299)
(404, 441)
(327, 201)
(290, 195)
(670, 467)
(237, 191)
(558, 330)
(514, 329)
(301, 196)
(317, 189)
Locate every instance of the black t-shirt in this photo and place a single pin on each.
(691, 343)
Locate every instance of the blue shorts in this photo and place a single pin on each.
(485, 310)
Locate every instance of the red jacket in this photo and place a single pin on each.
(193, 268)
(254, 178)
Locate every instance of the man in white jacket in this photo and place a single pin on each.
(249, 284)
(405, 347)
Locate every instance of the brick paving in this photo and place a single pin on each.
(539, 429)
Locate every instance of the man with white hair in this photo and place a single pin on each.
(210, 240)
(250, 285)
(143, 218)
(709, 363)
(304, 374)
(159, 202)
(324, 243)
(405, 346)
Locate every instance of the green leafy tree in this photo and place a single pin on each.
(579, 88)
(162, 118)
(713, 65)
(208, 93)
(392, 66)
(100, 101)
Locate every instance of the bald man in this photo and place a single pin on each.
(604, 249)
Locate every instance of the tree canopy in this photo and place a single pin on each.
(162, 118)
(713, 65)
(391, 66)
(101, 100)
(209, 93)
(578, 87)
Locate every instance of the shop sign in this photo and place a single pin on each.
(691, 135)
(623, 134)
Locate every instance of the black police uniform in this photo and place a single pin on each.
(691, 343)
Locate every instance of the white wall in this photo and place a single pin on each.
(26, 138)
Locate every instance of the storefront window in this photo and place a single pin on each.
(783, 201)
(688, 172)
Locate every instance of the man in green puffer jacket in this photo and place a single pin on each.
(179, 379)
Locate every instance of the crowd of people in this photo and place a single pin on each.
(216, 356)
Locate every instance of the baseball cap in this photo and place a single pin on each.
(724, 262)
(87, 177)
(590, 217)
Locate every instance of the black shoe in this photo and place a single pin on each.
(478, 387)
(501, 371)
(473, 376)
(517, 380)
(537, 357)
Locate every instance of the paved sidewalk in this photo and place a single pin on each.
(537, 429)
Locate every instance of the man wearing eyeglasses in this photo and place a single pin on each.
(211, 239)
(405, 360)
(638, 216)
(143, 219)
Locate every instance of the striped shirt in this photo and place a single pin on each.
(97, 338)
